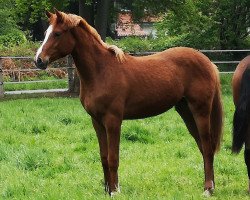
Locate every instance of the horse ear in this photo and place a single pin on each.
(59, 15)
(49, 14)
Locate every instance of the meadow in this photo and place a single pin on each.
(61, 84)
(49, 150)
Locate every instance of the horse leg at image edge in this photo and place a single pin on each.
(247, 161)
(103, 145)
(247, 155)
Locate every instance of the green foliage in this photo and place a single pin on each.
(23, 49)
(203, 24)
(29, 11)
(191, 24)
(137, 44)
(233, 21)
(208, 24)
(7, 18)
(11, 39)
(10, 35)
(152, 7)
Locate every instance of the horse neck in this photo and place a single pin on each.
(87, 54)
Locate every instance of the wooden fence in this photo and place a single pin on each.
(70, 70)
(69, 67)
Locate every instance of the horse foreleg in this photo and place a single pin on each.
(103, 145)
(113, 128)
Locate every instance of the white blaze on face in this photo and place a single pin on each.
(48, 32)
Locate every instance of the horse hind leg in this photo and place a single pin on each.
(201, 113)
(198, 124)
(182, 108)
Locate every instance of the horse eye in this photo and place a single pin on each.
(57, 34)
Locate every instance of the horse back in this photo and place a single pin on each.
(179, 69)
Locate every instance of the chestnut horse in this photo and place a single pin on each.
(117, 86)
(241, 122)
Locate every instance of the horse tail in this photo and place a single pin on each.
(241, 114)
(216, 117)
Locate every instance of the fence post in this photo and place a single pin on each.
(70, 73)
(1, 79)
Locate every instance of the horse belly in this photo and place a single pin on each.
(149, 107)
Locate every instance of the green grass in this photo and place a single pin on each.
(48, 150)
(36, 86)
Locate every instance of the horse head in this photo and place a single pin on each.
(58, 41)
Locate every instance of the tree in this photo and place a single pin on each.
(86, 10)
(190, 24)
(6, 21)
(31, 14)
(96, 13)
(233, 21)
(10, 34)
(208, 23)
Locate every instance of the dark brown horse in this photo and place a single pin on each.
(241, 122)
(116, 86)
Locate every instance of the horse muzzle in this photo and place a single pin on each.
(40, 63)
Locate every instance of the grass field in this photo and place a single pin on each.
(60, 84)
(48, 150)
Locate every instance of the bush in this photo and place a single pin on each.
(13, 38)
(23, 49)
(137, 44)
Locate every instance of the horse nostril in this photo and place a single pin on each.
(39, 60)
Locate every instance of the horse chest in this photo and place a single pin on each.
(93, 106)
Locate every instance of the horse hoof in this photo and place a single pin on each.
(115, 193)
(208, 193)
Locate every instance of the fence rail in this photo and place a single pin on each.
(69, 67)
(40, 81)
(70, 70)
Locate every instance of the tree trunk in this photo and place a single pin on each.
(101, 21)
(87, 11)
(38, 30)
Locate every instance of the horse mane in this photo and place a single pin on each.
(71, 20)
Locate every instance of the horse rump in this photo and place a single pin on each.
(242, 113)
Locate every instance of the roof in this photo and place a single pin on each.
(126, 27)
